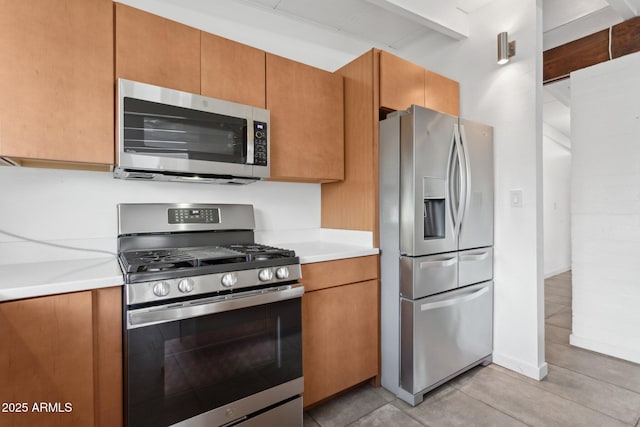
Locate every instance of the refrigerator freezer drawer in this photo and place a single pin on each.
(443, 334)
(428, 275)
(475, 266)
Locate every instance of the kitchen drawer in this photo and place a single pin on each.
(320, 275)
(475, 266)
(444, 334)
(428, 275)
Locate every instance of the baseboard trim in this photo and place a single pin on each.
(557, 271)
(630, 354)
(531, 371)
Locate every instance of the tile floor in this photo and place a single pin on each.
(583, 388)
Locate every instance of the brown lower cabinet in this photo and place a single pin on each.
(340, 326)
(61, 360)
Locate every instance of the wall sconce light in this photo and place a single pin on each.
(506, 48)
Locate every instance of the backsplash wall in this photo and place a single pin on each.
(54, 205)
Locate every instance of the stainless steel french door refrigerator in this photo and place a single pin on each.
(436, 241)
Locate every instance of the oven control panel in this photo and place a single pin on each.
(237, 281)
(194, 216)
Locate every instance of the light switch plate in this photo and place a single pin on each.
(516, 198)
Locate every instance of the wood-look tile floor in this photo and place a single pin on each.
(582, 388)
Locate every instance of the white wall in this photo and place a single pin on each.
(557, 205)
(605, 136)
(509, 98)
(75, 206)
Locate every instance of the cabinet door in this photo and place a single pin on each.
(232, 71)
(65, 351)
(47, 356)
(56, 80)
(155, 50)
(339, 338)
(307, 122)
(441, 94)
(401, 83)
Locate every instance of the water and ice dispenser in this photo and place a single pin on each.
(434, 207)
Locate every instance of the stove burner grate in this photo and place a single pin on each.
(161, 260)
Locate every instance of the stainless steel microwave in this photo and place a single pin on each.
(165, 134)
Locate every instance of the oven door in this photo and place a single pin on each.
(213, 361)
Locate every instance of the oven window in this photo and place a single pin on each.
(164, 130)
(181, 369)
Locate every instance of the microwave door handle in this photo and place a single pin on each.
(250, 142)
(171, 312)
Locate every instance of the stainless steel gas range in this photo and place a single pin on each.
(212, 320)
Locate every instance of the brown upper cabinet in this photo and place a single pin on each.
(56, 81)
(403, 83)
(232, 71)
(307, 122)
(155, 50)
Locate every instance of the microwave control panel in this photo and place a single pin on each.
(259, 143)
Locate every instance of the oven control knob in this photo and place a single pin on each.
(282, 273)
(185, 286)
(266, 275)
(229, 279)
(161, 289)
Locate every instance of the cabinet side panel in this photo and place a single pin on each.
(352, 204)
(108, 356)
(47, 358)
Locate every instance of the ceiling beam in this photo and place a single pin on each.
(437, 15)
(560, 61)
(627, 9)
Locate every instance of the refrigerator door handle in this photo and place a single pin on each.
(453, 196)
(465, 198)
(474, 257)
(461, 181)
(438, 264)
(454, 301)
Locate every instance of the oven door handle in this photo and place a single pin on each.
(153, 315)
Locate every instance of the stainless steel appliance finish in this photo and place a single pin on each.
(165, 134)
(436, 238)
(429, 326)
(212, 319)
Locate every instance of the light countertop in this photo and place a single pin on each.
(319, 251)
(26, 280)
(321, 244)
